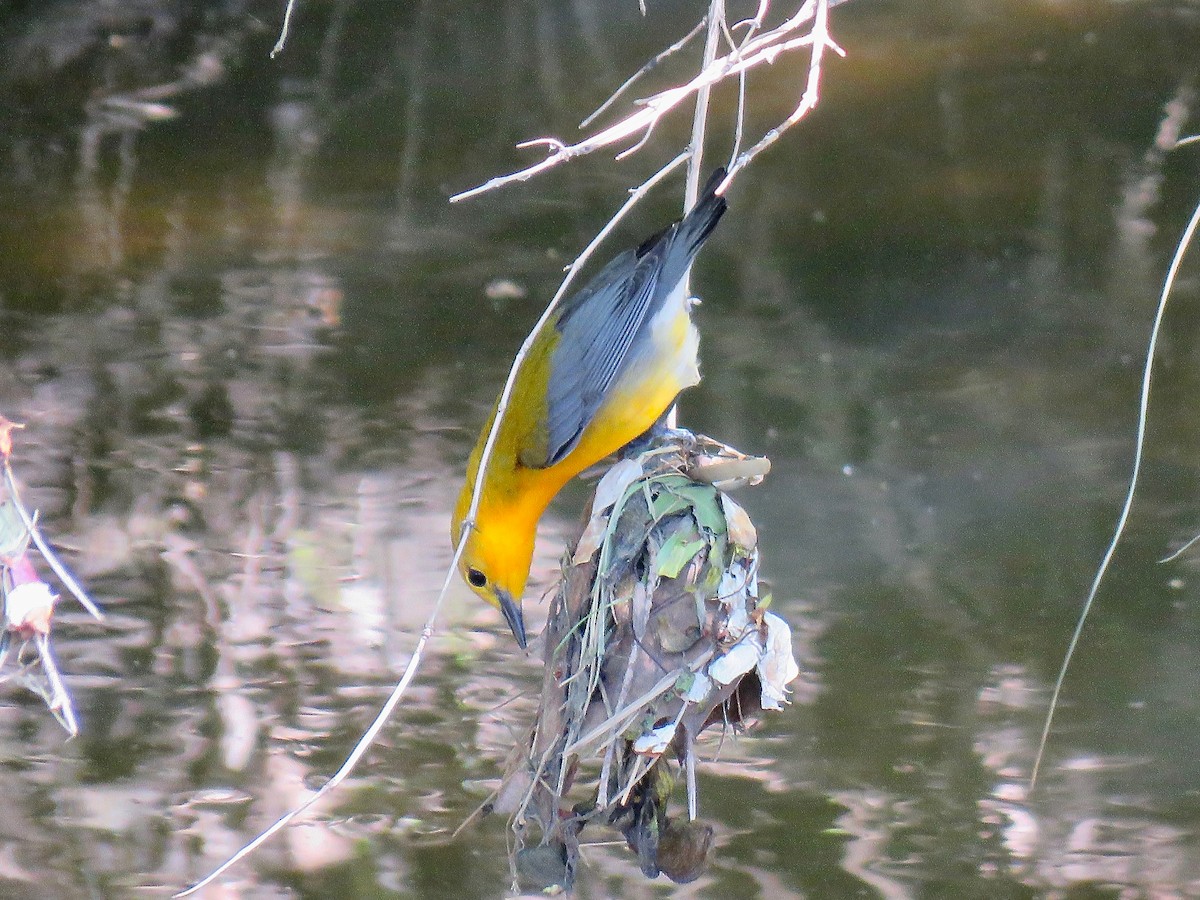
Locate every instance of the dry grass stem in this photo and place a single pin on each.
(1181, 249)
(283, 31)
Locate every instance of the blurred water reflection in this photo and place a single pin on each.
(252, 344)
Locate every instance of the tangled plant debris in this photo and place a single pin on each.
(28, 600)
(659, 629)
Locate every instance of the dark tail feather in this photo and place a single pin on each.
(700, 221)
(697, 225)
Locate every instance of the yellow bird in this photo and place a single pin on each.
(600, 373)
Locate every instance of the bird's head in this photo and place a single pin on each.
(495, 562)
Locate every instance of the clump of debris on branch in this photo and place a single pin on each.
(659, 630)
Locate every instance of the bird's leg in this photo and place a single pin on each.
(658, 433)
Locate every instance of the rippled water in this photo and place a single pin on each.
(251, 343)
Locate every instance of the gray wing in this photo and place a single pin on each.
(600, 324)
(595, 335)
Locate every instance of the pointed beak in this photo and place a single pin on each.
(512, 613)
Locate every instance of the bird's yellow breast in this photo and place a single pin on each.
(599, 372)
(662, 365)
(514, 496)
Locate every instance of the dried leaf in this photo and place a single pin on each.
(742, 532)
(683, 850)
(614, 484)
(729, 474)
(676, 633)
(590, 540)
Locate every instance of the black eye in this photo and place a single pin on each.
(476, 578)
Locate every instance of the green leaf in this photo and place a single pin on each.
(676, 493)
(676, 552)
(667, 499)
(667, 503)
(705, 507)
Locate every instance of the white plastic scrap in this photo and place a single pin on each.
(29, 606)
(656, 741)
(774, 660)
(701, 685)
(777, 668)
(741, 658)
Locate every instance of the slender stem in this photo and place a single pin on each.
(764, 49)
(674, 48)
(1143, 411)
(355, 755)
(283, 32)
(716, 21)
(63, 573)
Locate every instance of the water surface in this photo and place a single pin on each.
(252, 344)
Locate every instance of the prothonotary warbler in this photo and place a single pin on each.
(601, 371)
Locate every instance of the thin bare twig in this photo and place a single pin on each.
(752, 27)
(716, 24)
(283, 32)
(821, 41)
(60, 570)
(1143, 412)
(762, 49)
(60, 703)
(642, 142)
(648, 67)
(360, 748)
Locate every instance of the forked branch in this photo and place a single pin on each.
(755, 50)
